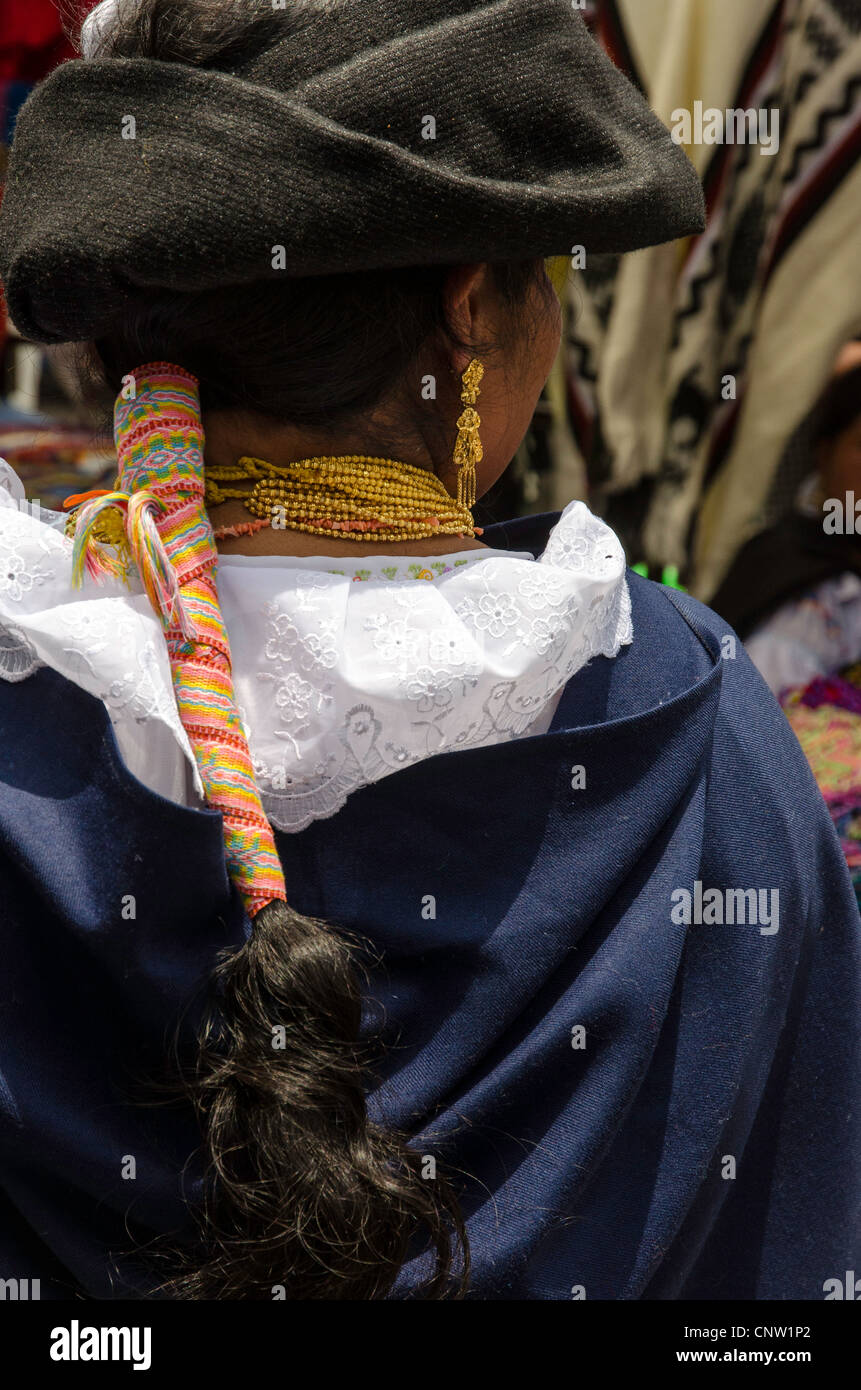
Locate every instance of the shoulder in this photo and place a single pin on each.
(684, 646)
(521, 532)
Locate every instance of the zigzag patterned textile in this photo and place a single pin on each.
(160, 493)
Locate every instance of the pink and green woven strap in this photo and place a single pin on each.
(167, 534)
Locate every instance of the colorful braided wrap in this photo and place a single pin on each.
(156, 519)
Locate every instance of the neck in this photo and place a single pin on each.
(230, 436)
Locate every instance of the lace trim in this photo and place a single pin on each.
(359, 753)
(18, 657)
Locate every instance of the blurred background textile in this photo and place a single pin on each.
(766, 295)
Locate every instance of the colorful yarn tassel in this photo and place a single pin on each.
(136, 541)
(167, 534)
(153, 563)
(88, 555)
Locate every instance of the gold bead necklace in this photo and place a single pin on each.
(352, 496)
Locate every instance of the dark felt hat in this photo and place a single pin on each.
(369, 134)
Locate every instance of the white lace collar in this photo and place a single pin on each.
(344, 671)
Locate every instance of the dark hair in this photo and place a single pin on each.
(838, 407)
(303, 1189)
(323, 353)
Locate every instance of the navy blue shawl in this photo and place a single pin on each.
(703, 1143)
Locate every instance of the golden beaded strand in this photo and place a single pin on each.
(352, 496)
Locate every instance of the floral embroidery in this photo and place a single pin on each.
(293, 697)
(539, 589)
(453, 648)
(16, 579)
(493, 613)
(430, 688)
(434, 570)
(286, 643)
(395, 641)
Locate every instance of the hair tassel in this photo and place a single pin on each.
(157, 573)
(88, 554)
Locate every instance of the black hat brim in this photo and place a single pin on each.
(539, 144)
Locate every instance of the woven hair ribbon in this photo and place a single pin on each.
(159, 522)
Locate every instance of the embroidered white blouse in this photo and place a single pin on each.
(344, 672)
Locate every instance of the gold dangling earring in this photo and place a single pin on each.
(467, 449)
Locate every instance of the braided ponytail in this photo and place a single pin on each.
(305, 1192)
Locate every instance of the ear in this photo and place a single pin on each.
(468, 300)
